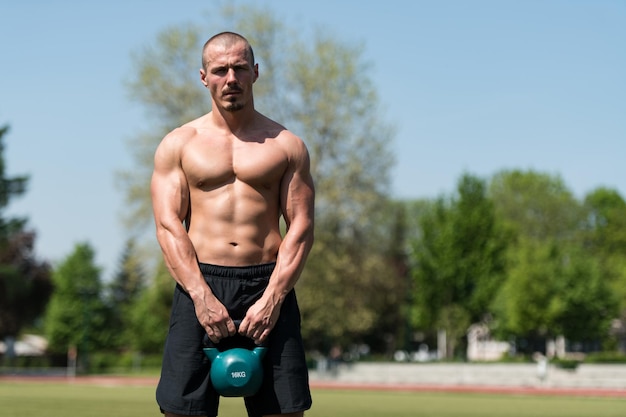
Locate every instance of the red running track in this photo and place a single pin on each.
(106, 380)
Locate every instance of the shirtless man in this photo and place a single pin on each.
(220, 184)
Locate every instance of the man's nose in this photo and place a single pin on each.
(231, 76)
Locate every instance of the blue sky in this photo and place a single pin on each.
(471, 86)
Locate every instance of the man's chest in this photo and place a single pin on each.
(211, 164)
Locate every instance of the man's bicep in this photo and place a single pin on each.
(298, 196)
(169, 190)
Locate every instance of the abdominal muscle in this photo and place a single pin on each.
(235, 225)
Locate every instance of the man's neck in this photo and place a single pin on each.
(234, 121)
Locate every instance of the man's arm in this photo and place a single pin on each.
(297, 195)
(170, 203)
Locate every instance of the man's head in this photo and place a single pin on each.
(226, 39)
(228, 70)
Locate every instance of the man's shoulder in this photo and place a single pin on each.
(279, 132)
(291, 141)
(184, 133)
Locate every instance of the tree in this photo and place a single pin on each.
(76, 315)
(166, 83)
(605, 223)
(532, 284)
(320, 88)
(536, 205)
(584, 304)
(394, 326)
(124, 291)
(333, 102)
(481, 245)
(459, 260)
(25, 285)
(149, 316)
(553, 290)
(604, 236)
(554, 286)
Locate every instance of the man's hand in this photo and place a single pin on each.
(213, 316)
(260, 319)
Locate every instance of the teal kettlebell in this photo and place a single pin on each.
(236, 372)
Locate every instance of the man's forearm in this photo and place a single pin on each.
(180, 259)
(292, 256)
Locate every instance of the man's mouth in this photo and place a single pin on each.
(231, 92)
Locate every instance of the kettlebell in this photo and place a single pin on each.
(237, 371)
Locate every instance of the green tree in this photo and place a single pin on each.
(531, 286)
(124, 291)
(605, 223)
(76, 315)
(552, 290)
(347, 274)
(604, 236)
(536, 205)
(554, 286)
(459, 260)
(394, 326)
(149, 316)
(321, 89)
(584, 304)
(433, 265)
(25, 285)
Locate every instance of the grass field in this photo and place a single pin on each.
(19, 399)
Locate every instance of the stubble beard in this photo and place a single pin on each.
(233, 107)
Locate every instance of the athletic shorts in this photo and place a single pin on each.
(185, 387)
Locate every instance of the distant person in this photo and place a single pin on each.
(220, 184)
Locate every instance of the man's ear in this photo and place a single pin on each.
(203, 77)
(256, 72)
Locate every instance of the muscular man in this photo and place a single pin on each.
(220, 184)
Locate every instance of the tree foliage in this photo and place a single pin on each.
(524, 300)
(536, 205)
(25, 285)
(584, 304)
(333, 104)
(149, 316)
(604, 236)
(459, 260)
(76, 314)
(554, 286)
(124, 292)
(605, 223)
(520, 255)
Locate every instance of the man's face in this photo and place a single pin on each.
(229, 75)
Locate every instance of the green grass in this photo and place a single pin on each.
(47, 400)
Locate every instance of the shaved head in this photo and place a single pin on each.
(227, 39)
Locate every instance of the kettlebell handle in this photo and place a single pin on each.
(237, 324)
(209, 343)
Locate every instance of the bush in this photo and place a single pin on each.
(606, 357)
(568, 364)
(113, 362)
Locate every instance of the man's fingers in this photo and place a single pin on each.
(244, 327)
(256, 330)
(213, 335)
(230, 327)
(220, 330)
(262, 335)
(258, 333)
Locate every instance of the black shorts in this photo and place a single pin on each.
(185, 387)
